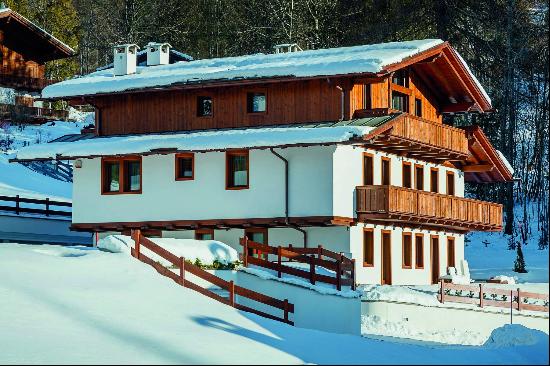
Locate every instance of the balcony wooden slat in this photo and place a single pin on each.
(389, 203)
(30, 114)
(24, 82)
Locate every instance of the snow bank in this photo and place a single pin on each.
(516, 335)
(332, 61)
(207, 251)
(194, 141)
(399, 294)
(505, 279)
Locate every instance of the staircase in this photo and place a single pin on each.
(57, 170)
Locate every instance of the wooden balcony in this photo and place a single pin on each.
(24, 82)
(416, 137)
(396, 204)
(25, 114)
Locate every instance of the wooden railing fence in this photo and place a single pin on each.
(486, 296)
(185, 267)
(13, 111)
(17, 207)
(343, 267)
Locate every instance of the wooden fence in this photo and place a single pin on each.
(187, 267)
(343, 267)
(47, 203)
(487, 296)
(23, 112)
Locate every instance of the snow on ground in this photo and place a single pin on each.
(15, 179)
(207, 251)
(80, 305)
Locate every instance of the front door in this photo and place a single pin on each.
(386, 258)
(434, 262)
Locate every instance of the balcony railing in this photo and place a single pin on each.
(24, 82)
(390, 203)
(416, 136)
(25, 114)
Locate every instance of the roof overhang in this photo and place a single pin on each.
(29, 40)
(484, 163)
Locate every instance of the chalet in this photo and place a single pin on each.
(342, 147)
(24, 50)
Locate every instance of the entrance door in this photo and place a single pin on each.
(435, 259)
(386, 258)
(259, 235)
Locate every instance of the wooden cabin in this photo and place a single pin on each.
(24, 50)
(343, 148)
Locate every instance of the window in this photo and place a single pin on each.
(450, 252)
(368, 248)
(419, 250)
(401, 78)
(204, 107)
(237, 169)
(185, 166)
(386, 168)
(256, 102)
(121, 175)
(407, 250)
(450, 183)
(259, 235)
(407, 175)
(204, 234)
(419, 177)
(368, 167)
(400, 101)
(418, 107)
(434, 180)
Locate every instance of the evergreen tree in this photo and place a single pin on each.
(519, 263)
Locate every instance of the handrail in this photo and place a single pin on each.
(18, 209)
(230, 286)
(343, 267)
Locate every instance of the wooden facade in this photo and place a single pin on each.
(397, 204)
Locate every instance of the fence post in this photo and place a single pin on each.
(519, 300)
(137, 239)
(442, 291)
(353, 274)
(339, 274)
(481, 295)
(182, 271)
(286, 310)
(512, 306)
(279, 261)
(311, 270)
(17, 205)
(245, 251)
(319, 251)
(47, 206)
(232, 293)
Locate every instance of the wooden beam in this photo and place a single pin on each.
(478, 168)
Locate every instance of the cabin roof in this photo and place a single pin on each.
(376, 59)
(28, 39)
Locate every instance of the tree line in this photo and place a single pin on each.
(505, 42)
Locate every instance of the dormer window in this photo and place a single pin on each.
(256, 102)
(204, 107)
(401, 78)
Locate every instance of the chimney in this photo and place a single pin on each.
(158, 53)
(125, 59)
(287, 47)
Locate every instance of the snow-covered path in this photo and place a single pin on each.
(69, 305)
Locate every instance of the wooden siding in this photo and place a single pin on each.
(390, 203)
(288, 102)
(18, 72)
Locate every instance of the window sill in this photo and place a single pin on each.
(119, 193)
(236, 188)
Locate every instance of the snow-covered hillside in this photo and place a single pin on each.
(62, 309)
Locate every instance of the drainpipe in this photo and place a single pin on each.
(287, 221)
(341, 101)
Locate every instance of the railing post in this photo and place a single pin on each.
(245, 251)
(279, 249)
(17, 205)
(232, 293)
(285, 306)
(481, 295)
(339, 273)
(311, 270)
(519, 300)
(47, 206)
(182, 271)
(137, 240)
(442, 291)
(319, 251)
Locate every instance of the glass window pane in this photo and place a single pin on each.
(133, 176)
(239, 172)
(185, 168)
(256, 102)
(112, 177)
(204, 106)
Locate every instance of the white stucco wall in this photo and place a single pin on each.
(205, 197)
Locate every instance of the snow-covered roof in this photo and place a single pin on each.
(141, 59)
(193, 142)
(312, 63)
(7, 11)
(505, 162)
